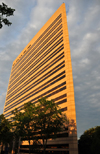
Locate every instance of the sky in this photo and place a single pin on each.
(83, 18)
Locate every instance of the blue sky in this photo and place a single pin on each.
(83, 19)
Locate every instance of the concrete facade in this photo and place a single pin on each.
(44, 68)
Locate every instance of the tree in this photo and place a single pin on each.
(50, 120)
(38, 122)
(89, 142)
(24, 122)
(6, 134)
(5, 11)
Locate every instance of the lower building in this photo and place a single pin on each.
(44, 68)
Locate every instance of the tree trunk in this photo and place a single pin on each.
(1, 148)
(44, 146)
(29, 146)
(13, 147)
(19, 143)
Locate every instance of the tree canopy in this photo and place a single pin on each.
(24, 122)
(5, 11)
(6, 134)
(50, 120)
(5, 130)
(89, 142)
(39, 122)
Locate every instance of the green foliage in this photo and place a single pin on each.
(5, 11)
(5, 130)
(50, 120)
(38, 121)
(24, 122)
(89, 142)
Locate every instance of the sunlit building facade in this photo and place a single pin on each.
(44, 68)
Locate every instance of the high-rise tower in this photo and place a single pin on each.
(44, 68)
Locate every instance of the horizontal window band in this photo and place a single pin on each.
(44, 42)
(39, 66)
(48, 151)
(34, 64)
(52, 71)
(42, 35)
(34, 76)
(29, 75)
(41, 51)
(63, 109)
(52, 91)
(47, 95)
(41, 81)
(57, 43)
(41, 89)
(65, 146)
(62, 101)
(61, 135)
(60, 97)
(45, 76)
(33, 86)
(56, 99)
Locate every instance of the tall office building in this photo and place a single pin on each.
(44, 68)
